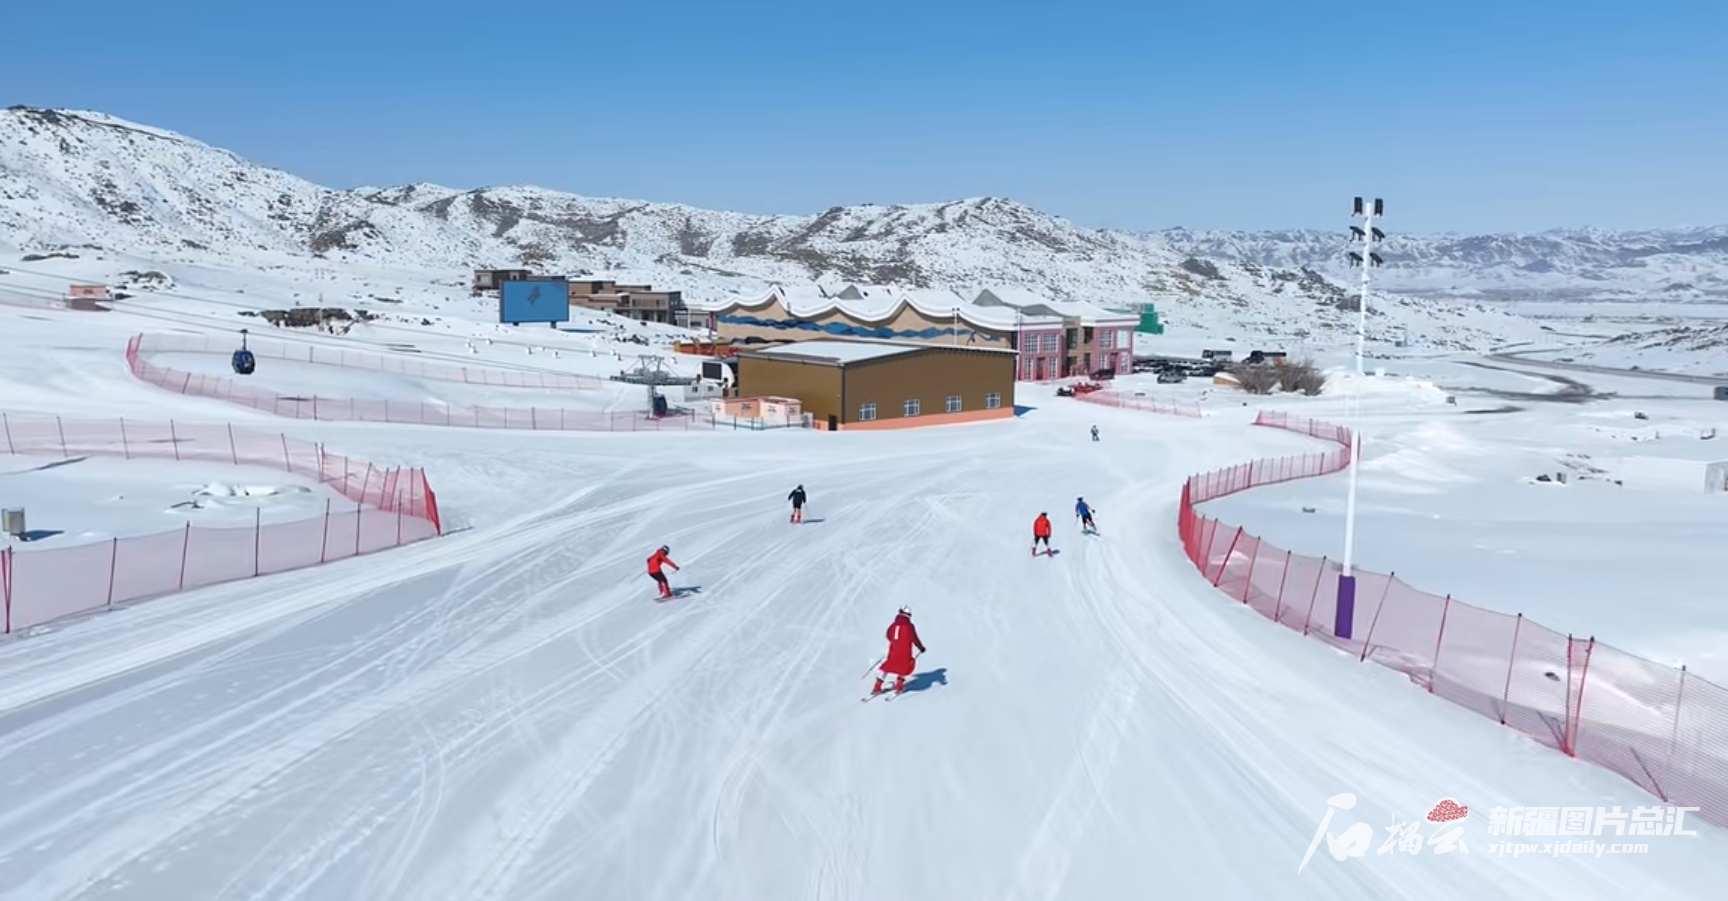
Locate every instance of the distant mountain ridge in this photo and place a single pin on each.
(1679, 264)
(78, 178)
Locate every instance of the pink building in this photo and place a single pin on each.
(1089, 338)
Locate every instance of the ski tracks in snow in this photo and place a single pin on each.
(502, 849)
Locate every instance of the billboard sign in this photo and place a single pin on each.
(533, 300)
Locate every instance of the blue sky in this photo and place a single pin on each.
(1516, 115)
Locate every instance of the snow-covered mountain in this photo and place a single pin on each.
(71, 179)
(1676, 265)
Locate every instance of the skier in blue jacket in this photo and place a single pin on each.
(1084, 512)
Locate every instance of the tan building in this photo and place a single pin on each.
(639, 302)
(860, 385)
(489, 279)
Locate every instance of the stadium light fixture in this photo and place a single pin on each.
(1344, 618)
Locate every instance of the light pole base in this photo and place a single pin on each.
(1346, 613)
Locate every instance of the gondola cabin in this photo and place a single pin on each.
(244, 363)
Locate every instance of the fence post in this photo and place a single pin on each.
(398, 525)
(257, 541)
(359, 519)
(314, 406)
(185, 546)
(125, 446)
(1679, 701)
(1511, 659)
(1575, 722)
(113, 563)
(1314, 596)
(324, 543)
(286, 463)
(366, 483)
(7, 422)
(62, 424)
(233, 452)
(1248, 583)
(1226, 562)
(1368, 639)
(1434, 664)
(6, 587)
(174, 438)
(1278, 604)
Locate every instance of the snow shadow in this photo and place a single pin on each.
(56, 464)
(927, 680)
(1022, 409)
(811, 521)
(40, 534)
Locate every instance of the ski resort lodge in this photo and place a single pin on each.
(859, 385)
(1049, 339)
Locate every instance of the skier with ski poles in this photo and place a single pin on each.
(661, 558)
(900, 661)
(1094, 433)
(1084, 513)
(797, 498)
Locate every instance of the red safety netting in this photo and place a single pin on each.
(391, 507)
(1658, 726)
(1109, 399)
(344, 409)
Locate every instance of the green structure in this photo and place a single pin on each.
(1149, 321)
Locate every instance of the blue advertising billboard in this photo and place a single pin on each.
(533, 300)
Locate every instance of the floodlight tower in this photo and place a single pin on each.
(1369, 235)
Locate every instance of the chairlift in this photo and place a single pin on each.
(243, 361)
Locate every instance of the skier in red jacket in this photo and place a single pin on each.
(1041, 532)
(902, 638)
(661, 557)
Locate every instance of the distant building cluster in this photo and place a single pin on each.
(1051, 339)
(639, 302)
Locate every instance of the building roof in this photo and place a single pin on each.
(844, 352)
(1030, 301)
(882, 304)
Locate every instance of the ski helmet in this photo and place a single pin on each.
(665, 550)
(905, 611)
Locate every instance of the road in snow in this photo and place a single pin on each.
(507, 714)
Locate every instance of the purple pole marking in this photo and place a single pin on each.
(1346, 613)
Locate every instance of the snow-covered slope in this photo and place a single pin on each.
(84, 180)
(1682, 264)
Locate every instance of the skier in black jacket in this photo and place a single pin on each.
(797, 499)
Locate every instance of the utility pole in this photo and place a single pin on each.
(1369, 235)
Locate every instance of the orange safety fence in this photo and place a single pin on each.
(347, 409)
(391, 507)
(1660, 727)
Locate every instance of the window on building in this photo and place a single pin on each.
(953, 405)
(992, 401)
(1087, 336)
(866, 412)
(1086, 362)
(1052, 342)
(911, 408)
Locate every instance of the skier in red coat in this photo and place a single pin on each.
(902, 638)
(661, 558)
(1041, 532)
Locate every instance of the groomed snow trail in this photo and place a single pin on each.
(507, 715)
